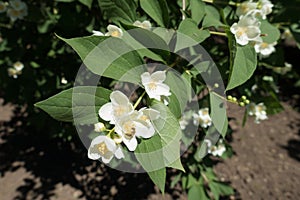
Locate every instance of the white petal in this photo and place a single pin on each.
(119, 153)
(106, 112)
(162, 89)
(253, 32)
(144, 131)
(97, 33)
(118, 98)
(234, 28)
(97, 140)
(158, 76)
(145, 78)
(242, 39)
(107, 160)
(110, 144)
(131, 144)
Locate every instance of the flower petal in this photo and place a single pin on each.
(131, 144)
(144, 131)
(119, 153)
(158, 76)
(145, 77)
(106, 112)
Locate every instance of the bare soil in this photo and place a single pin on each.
(265, 164)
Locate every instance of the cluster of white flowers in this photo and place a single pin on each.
(129, 123)
(113, 31)
(215, 150)
(202, 118)
(257, 110)
(16, 69)
(247, 29)
(15, 9)
(145, 24)
(262, 8)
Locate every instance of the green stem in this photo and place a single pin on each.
(5, 26)
(218, 33)
(183, 8)
(139, 100)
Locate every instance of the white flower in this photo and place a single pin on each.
(63, 80)
(117, 108)
(17, 10)
(265, 7)
(3, 7)
(264, 49)
(97, 33)
(16, 69)
(154, 85)
(216, 150)
(184, 121)
(114, 31)
(18, 66)
(246, 7)
(105, 148)
(137, 124)
(13, 72)
(99, 127)
(247, 29)
(202, 118)
(259, 111)
(145, 24)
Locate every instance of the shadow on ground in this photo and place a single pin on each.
(53, 161)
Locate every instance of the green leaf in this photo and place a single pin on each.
(157, 10)
(244, 65)
(218, 113)
(197, 192)
(220, 189)
(272, 33)
(106, 56)
(170, 134)
(78, 104)
(148, 43)
(163, 149)
(198, 10)
(87, 3)
(159, 178)
(180, 90)
(190, 28)
(119, 10)
(212, 17)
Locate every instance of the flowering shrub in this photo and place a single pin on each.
(155, 79)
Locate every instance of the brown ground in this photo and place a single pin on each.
(266, 164)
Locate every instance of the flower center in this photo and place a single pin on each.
(129, 130)
(115, 34)
(241, 31)
(119, 111)
(152, 86)
(102, 148)
(264, 45)
(144, 117)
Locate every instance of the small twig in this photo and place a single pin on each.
(183, 8)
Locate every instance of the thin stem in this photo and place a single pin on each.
(208, 1)
(218, 33)
(229, 3)
(110, 132)
(139, 100)
(183, 8)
